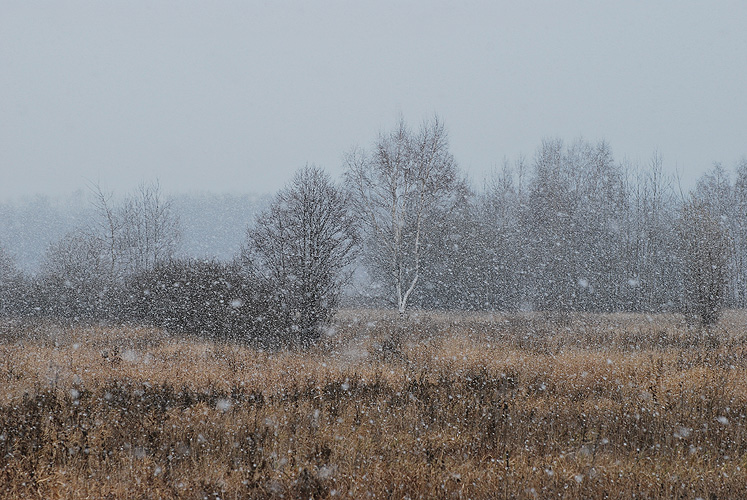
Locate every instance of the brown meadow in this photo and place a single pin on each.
(438, 406)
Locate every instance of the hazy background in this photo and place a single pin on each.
(234, 96)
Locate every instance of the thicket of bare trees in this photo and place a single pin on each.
(569, 229)
(83, 274)
(574, 230)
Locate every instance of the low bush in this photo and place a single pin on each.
(210, 299)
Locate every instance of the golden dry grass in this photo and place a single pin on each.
(443, 406)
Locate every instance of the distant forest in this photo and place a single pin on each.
(568, 229)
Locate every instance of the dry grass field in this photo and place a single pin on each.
(443, 406)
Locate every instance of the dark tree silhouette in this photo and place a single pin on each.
(301, 248)
(705, 246)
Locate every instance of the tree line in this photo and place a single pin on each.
(570, 229)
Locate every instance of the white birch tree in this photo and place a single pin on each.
(395, 188)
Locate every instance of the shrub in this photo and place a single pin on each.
(206, 298)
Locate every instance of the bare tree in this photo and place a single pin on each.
(301, 247)
(106, 229)
(149, 229)
(705, 249)
(396, 187)
(138, 233)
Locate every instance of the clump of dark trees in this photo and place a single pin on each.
(570, 230)
(282, 290)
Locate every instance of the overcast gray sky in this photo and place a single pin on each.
(235, 96)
